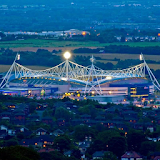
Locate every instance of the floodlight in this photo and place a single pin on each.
(141, 57)
(108, 77)
(67, 55)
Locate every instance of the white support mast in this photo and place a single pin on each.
(150, 73)
(91, 76)
(8, 74)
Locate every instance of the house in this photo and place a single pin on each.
(75, 122)
(98, 154)
(24, 107)
(131, 155)
(113, 109)
(61, 122)
(109, 124)
(158, 120)
(85, 144)
(11, 132)
(121, 126)
(69, 104)
(138, 125)
(24, 130)
(157, 158)
(45, 150)
(47, 120)
(154, 155)
(118, 119)
(32, 118)
(5, 114)
(58, 132)
(85, 117)
(3, 134)
(153, 139)
(10, 105)
(40, 141)
(149, 126)
(3, 127)
(130, 119)
(60, 104)
(100, 118)
(41, 131)
(19, 118)
(91, 122)
(130, 113)
(68, 153)
(40, 107)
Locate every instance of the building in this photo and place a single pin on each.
(131, 155)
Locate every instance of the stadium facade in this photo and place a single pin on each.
(69, 77)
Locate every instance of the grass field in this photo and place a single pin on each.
(34, 44)
(112, 56)
(68, 44)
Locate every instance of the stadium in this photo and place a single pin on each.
(69, 78)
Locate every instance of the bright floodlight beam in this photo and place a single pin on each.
(67, 55)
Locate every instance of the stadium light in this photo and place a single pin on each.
(108, 77)
(140, 57)
(18, 57)
(67, 55)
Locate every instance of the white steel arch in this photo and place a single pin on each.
(89, 76)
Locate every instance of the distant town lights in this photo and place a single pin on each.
(67, 55)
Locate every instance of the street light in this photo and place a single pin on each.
(67, 55)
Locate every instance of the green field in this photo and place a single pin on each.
(34, 44)
(57, 43)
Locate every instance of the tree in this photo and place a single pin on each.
(63, 113)
(20, 136)
(107, 135)
(62, 143)
(88, 109)
(109, 156)
(55, 155)
(18, 153)
(109, 66)
(97, 145)
(82, 130)
(117, 145)
(107, 37)
(32, 107)
(76, 153)
(147, 147)
(2, 35)
(123, 39)
(11, 142)
(134, 140)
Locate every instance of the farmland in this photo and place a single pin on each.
(105, 58)
(46, 43)
(34, 44)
